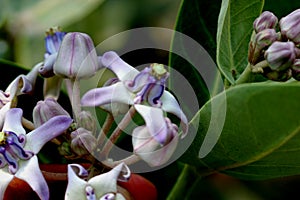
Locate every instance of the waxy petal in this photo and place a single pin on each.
(116, 93)
(12, 121)
(46, 70)
(52, 87)
(155, 122)
(107, 182)
(76, 185)
(5, 179)
(46, 132)
(30, 172)
(170, 105)
(123, 71)
(149, 150)
(3, 111)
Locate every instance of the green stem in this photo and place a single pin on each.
(117, 132)
(245, 76)
(184, 182)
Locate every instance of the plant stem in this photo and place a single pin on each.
(117, 132)
(105, 128)
(245, 77)
(128, 161)
(74, 95)
(27, 124)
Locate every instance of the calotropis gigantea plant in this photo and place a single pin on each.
(258, 55)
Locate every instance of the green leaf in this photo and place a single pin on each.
(234, 31)
(193, 48)
(260, 137)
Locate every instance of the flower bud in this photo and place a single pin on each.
(266, 20)
(76, 57)
(261, 41)
(296, 69)
(290, 26)
(280, 55)
(83, 142)
(87, 121)
(45, 110)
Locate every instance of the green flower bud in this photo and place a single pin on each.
(266, 20)
(290, 26)
(296, 69)
(83, 142)
(45, 110)
(76, 57)
(281, 55)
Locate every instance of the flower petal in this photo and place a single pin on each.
(30, 172)
(5, 179)
(46, 132)
(116, 93)
(76, 185)
(107, 182)
(52, 87)
(13, 121)
(124, 71)
(155, 122)
(149, 150)
(3, 111)
(170, 105)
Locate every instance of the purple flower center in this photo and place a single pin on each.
(149, 84)
(12, 150)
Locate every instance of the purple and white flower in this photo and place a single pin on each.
(103, 186)
(18, 150)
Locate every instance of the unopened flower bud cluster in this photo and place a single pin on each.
(277, 43)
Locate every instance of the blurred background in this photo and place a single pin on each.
(23, 22)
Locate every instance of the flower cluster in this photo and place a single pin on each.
(70, 58)
(274, 47)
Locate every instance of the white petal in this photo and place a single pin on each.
(76, 185)
(155, 122)
(3, 111)
(30, 172)
(170, 105)
(13, 122)
(116, 93)
(107, 182)
(149, 149)
(5, 179)
(46, 132)
(124, 71)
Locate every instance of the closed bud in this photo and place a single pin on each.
(290, 26)
(261, 41)
(281, 55)
(296, 69)
(83, 142)
(266, 20)
(76, 57)
(45, 110)
(87, 121)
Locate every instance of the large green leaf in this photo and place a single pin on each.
(234, 31)
(193, 47)
(260, 137)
